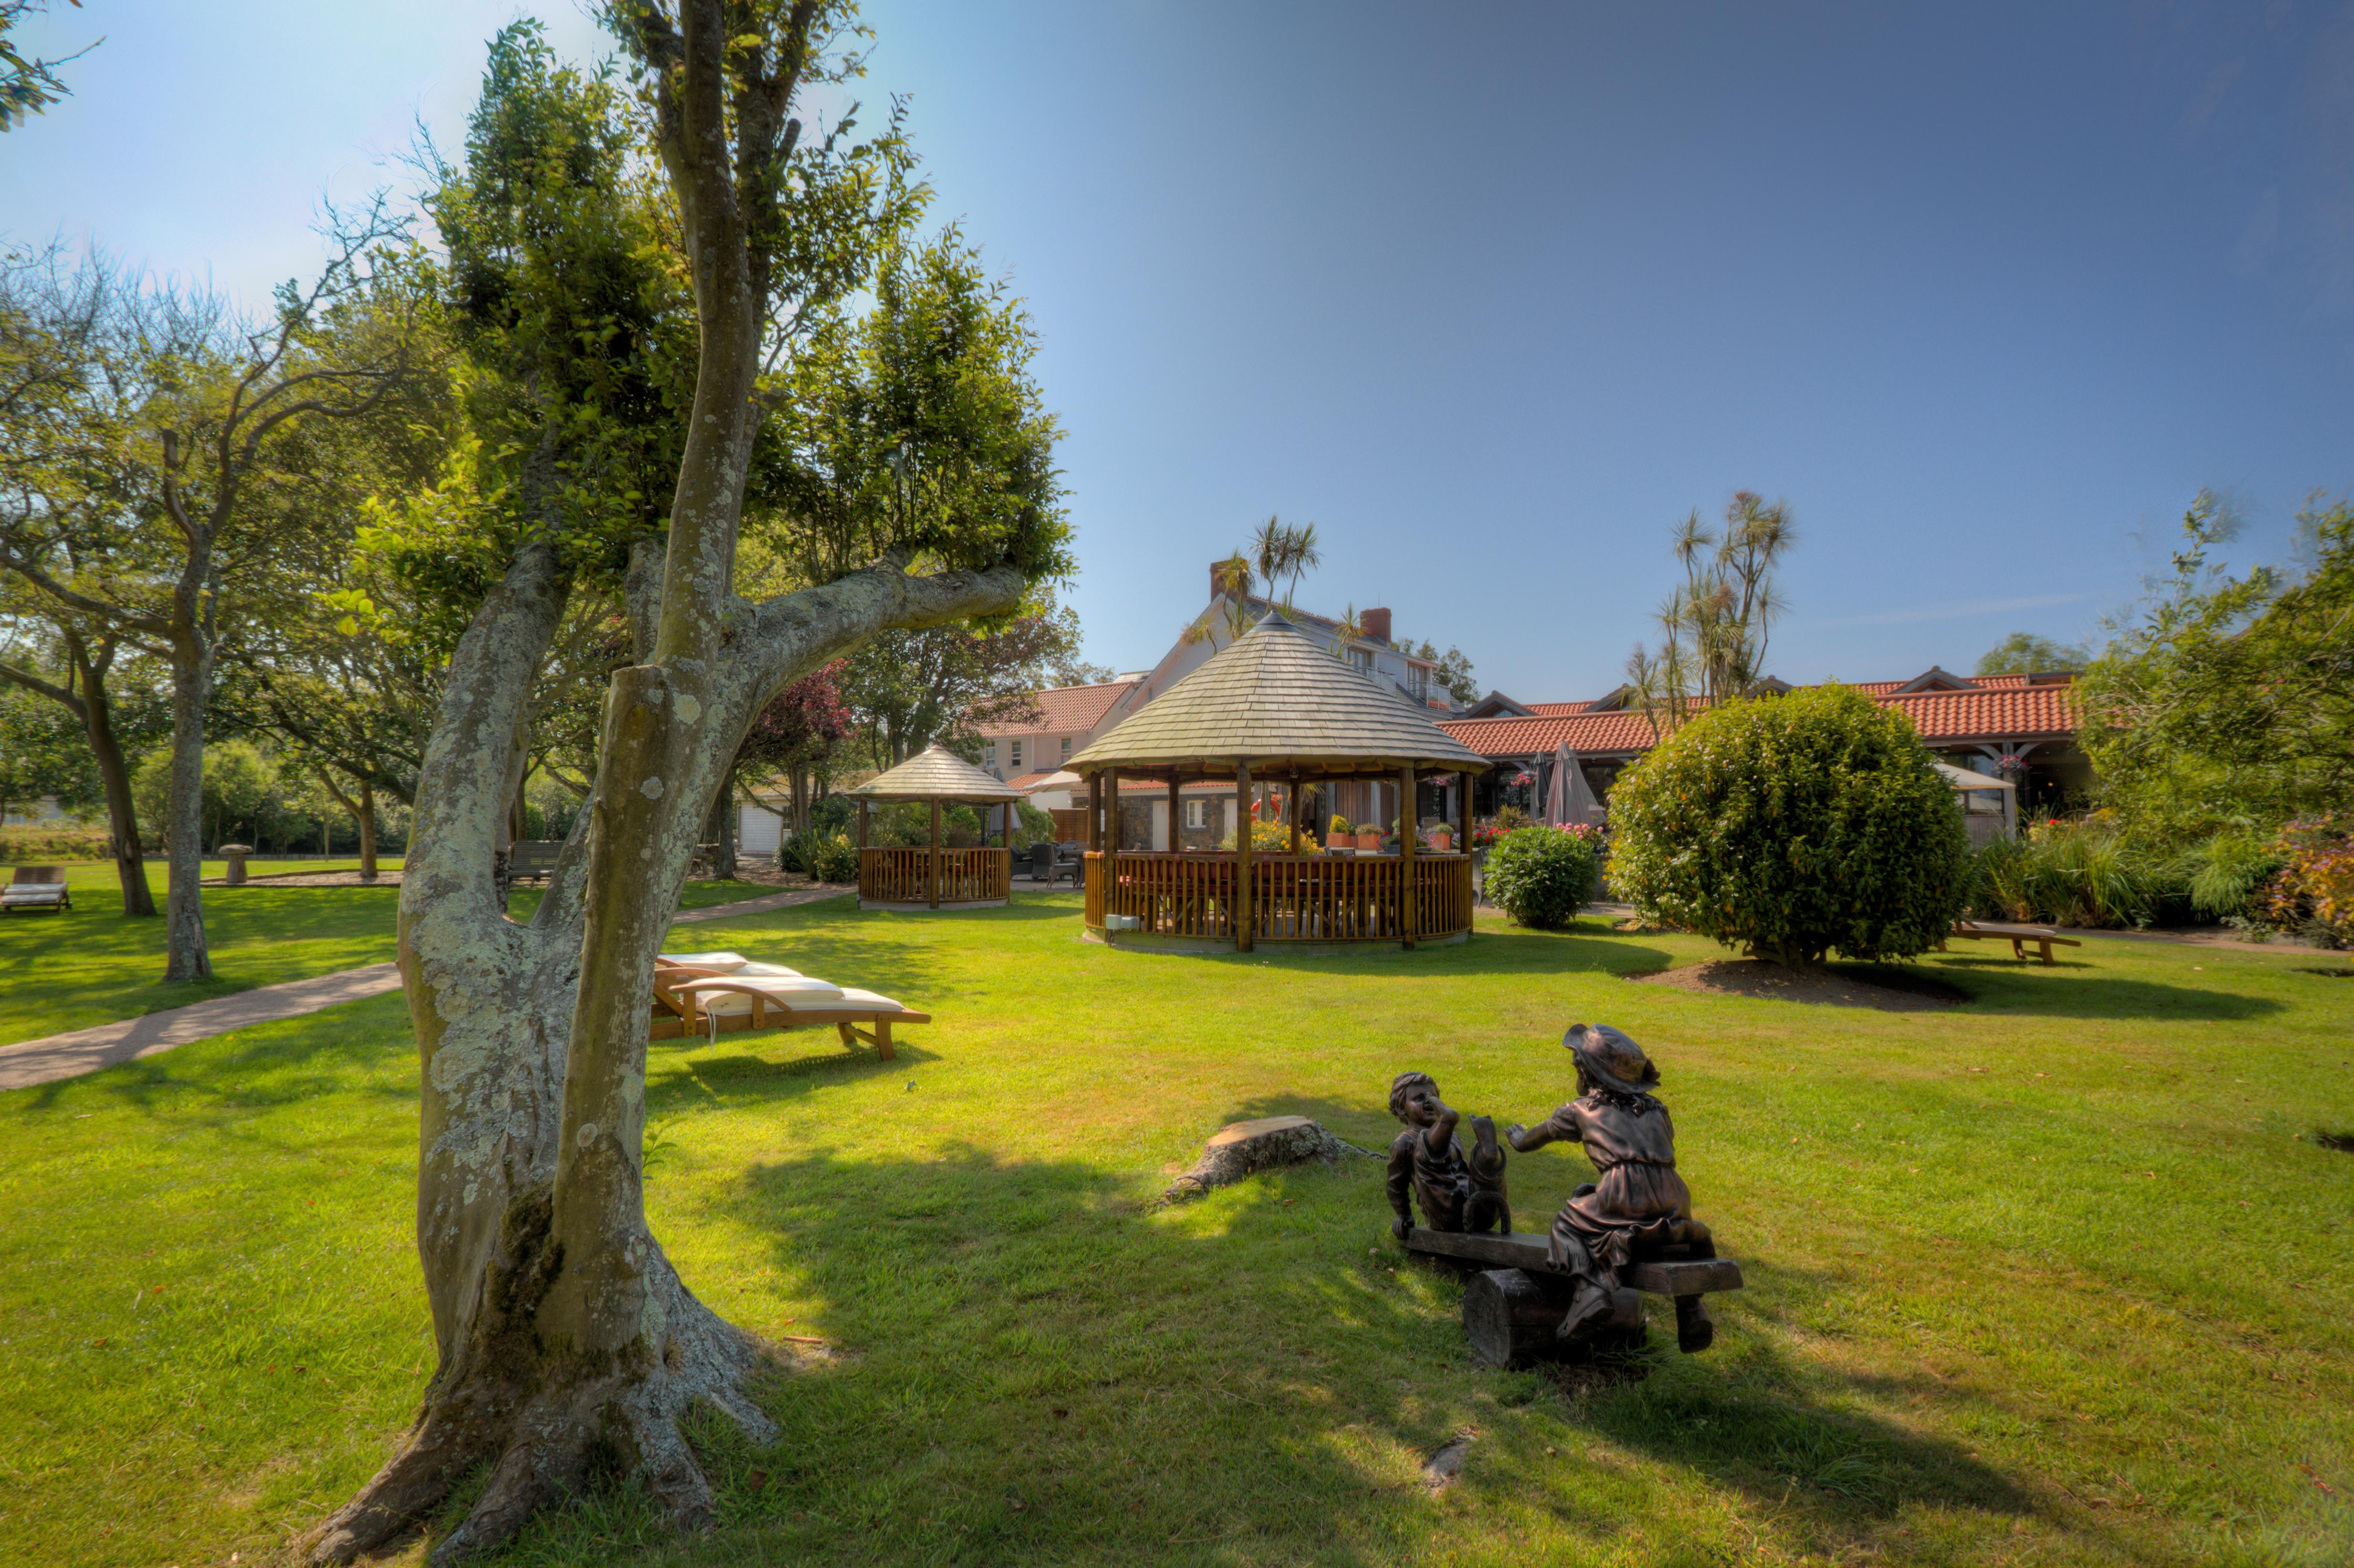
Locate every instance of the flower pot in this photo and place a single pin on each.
(1369, 841)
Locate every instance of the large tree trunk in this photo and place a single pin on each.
(564, 1333)
(114, 777)
(186, 955)
(720, 830)
(365, 818)
(562, 1329)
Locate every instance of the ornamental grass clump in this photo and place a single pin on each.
(1541, 876)
(1793, 827)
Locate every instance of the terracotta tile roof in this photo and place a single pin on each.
(2019, 710)
(1065, 710)
(1029, 781)
(2003, 707)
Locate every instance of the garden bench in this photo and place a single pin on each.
(1511, 1306)
(533, 859)
(2043, 936)
(37, 887)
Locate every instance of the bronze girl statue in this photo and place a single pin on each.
(1640, 1206)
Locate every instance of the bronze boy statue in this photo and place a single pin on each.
(1428, 1163)
(1640, 1206)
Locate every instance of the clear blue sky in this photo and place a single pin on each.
(1493, 294)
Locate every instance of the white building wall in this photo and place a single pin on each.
(758, 830)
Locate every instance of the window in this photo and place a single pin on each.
(1361, 660)
(1197, 813)
(1067, 748)
(1016, 745)
(1417, 681)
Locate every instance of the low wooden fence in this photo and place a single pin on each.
(1304, 899)
(903, 875)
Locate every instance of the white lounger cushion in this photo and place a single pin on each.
(726, 996)
(32, 893)
(728, 963)
(797, 995)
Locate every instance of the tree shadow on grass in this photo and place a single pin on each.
(1486, 954)
(2080, 990)
(343, 1050)
(763, 1068)
(1033, 1361)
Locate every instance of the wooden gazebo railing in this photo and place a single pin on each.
(1301, 898)
(924, 875)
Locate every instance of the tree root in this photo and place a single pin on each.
(541, 1424)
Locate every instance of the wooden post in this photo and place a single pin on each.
(1095, 811)
(1294, 803)
(1111, 811)
(861, 826)
(1176, 820)
(1243, 821)
(1407, 834)
(934, 876)
(1463, 812)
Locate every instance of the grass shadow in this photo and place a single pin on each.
(1037, 1361)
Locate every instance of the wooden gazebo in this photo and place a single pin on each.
(1275, 706)
(933, 877)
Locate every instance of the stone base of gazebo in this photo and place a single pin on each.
(920, 908)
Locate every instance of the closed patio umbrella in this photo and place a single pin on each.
(1571, 799)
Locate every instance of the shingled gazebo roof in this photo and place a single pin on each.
(1277, 694)
(935, 773)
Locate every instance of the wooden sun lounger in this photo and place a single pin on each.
(678, 1015)
(2043, 936)
(37, 887)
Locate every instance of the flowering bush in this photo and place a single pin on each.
(1340, 827)
(1792, 826)
(830, 858)
(2313, 893)
(1541, 876)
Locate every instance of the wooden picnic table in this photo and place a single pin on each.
(2043, 936)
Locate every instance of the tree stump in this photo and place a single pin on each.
(1246, 1148)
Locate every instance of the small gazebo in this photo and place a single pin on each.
(934, 877)
(1275, 706)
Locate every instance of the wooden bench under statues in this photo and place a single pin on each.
(1579, 1287)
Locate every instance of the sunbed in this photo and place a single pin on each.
(37, 887)
(716, 993)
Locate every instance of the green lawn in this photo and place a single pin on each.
(2061, 1277)
(95, 965)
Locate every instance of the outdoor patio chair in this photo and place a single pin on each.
(37, 887)
(1041, 863)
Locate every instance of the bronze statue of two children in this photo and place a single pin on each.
(1637, 1208)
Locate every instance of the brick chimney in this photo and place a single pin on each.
(1376, 623)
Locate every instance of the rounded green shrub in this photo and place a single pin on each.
(1792, 827)
(830, 858)
(1541, 876)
